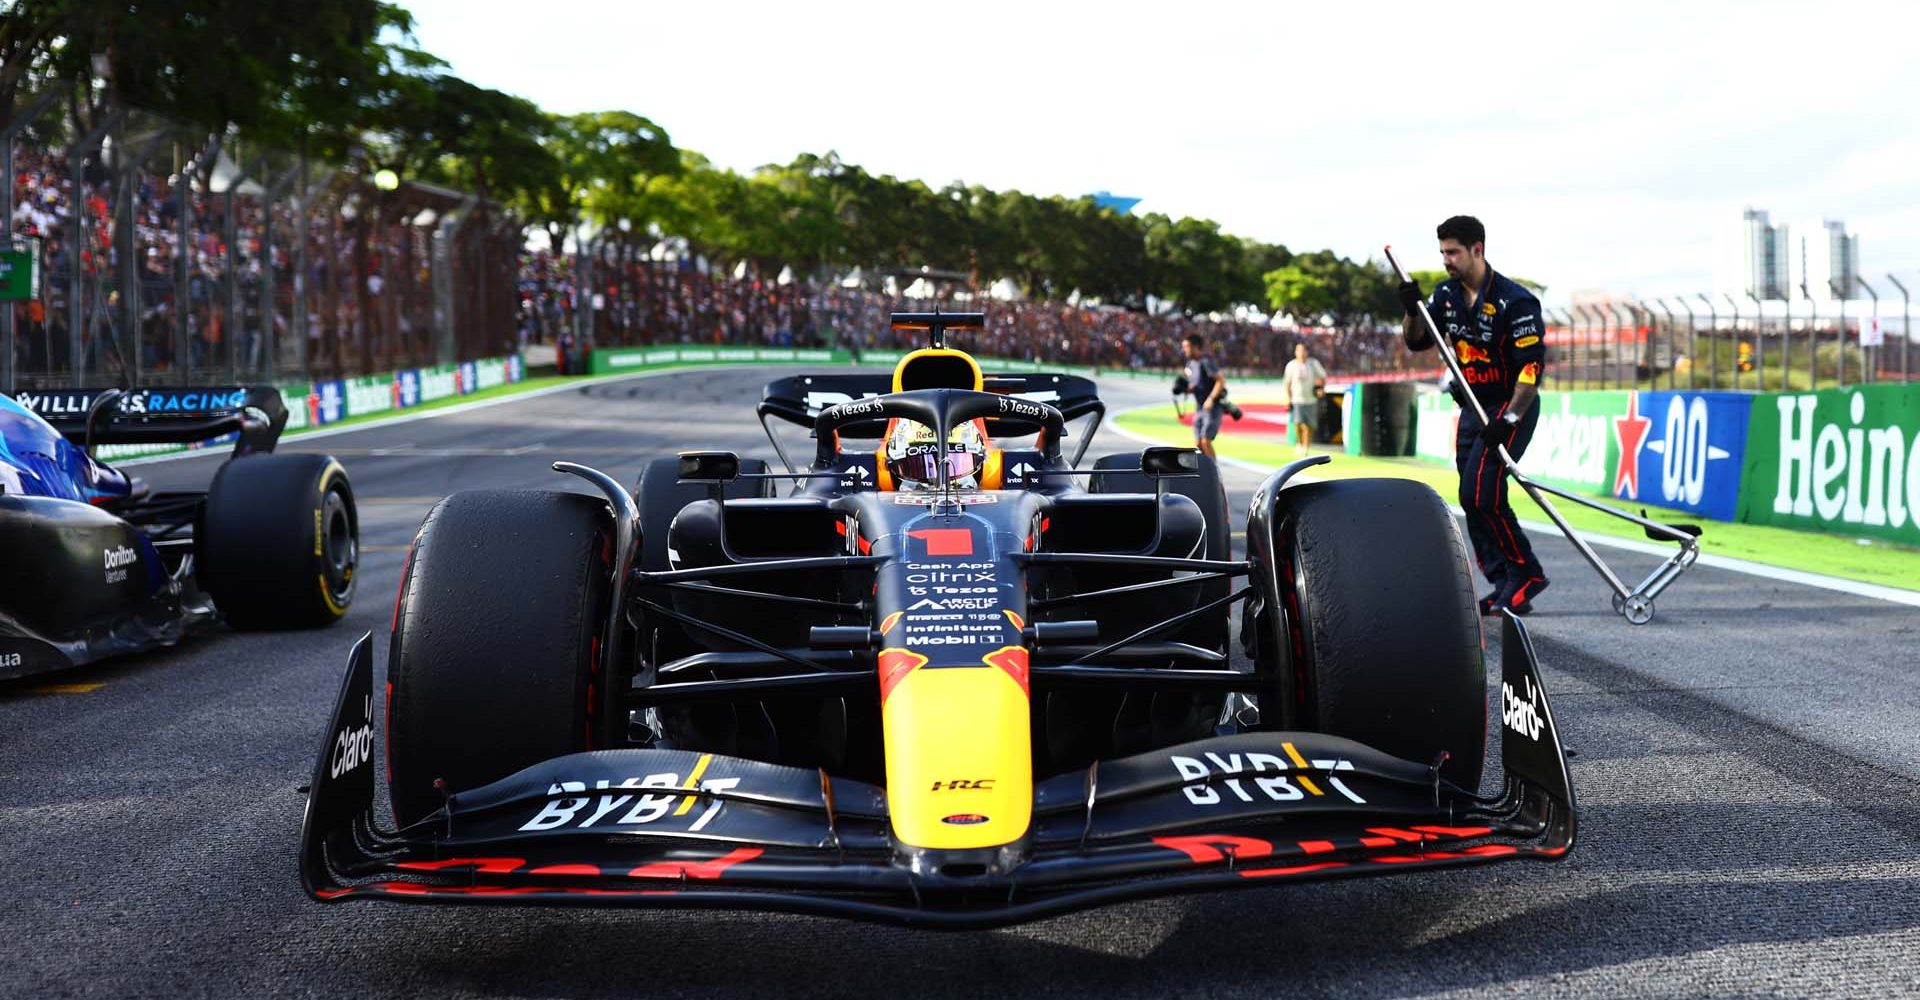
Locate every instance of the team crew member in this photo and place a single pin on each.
(1209, 389)
(1495, 327)
(1306, 381)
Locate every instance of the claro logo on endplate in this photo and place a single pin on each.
(1520, 715)
(351, 748)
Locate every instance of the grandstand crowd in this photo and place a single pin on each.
(677, 300)
(667, 302)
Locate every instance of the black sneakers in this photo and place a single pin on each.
(1520, 599)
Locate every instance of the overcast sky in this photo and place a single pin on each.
(1606, 146)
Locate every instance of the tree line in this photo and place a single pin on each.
(346, 81)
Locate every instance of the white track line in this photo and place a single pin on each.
(1840, 584)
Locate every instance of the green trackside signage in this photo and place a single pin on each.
(16, 275)
(1574, 447)
(618, 359)
(1844, 460)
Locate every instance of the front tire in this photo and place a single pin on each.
(278, 541)
(1389, 646)
(494, 664)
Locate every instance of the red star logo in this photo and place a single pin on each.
(1630, 431)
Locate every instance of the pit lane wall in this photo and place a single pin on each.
(315, 404)
(1845, 461)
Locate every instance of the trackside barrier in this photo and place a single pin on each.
(1843, 460)
(331, 401)
(1838, 460)
(612, 360)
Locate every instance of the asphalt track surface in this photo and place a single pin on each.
(1748, 768)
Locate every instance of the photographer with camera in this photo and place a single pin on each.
(1209, 387)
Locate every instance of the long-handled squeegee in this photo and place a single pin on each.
(1635, 605)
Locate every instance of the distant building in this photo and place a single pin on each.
(1826, 260)
(1756, 258)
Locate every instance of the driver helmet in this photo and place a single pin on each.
(914, 458)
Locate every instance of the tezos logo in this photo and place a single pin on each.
(1521, 715)
(1020, 407)
(857, 408)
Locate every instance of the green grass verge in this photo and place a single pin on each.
(508, 389)
(1866, 560)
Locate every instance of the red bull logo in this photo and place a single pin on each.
(1469, 354)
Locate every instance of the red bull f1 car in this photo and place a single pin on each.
(958, 692)
(100, 565)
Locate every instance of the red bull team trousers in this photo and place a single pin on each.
(1499, 546)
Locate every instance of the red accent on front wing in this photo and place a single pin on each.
(708, 870)
(1292, 869)
(696, 869)
(591, 871)
(1208, 848)
(1213, 848)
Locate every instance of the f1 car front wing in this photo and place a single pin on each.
(652, 827)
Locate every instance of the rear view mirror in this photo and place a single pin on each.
(709, 467)
(1168, 462)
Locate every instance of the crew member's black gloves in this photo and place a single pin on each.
(1497, 429)
(1411, 296)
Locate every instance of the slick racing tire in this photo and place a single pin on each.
(660, 496)
(494, 664)
(1207, 491)
(277, 543)
(1388, 646)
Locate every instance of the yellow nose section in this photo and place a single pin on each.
(959, 749)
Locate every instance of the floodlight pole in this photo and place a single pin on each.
(1839, 290)
(1906, 329)
(1693, 356)
(77, 229)
(1870, 369)
(1758, 382)
(1662, 303)
(1813, 340)
(1713, 350)
(13, 128)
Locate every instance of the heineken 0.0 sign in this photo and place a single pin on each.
(16, 275)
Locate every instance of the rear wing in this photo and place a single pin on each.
(185, 415)
(798, 399)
